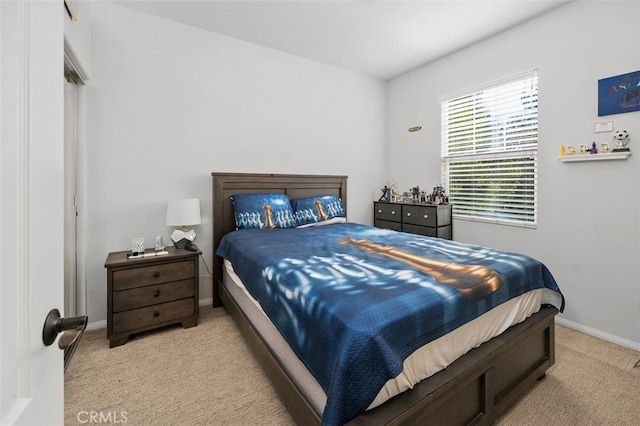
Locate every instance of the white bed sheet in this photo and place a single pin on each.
(423, 363)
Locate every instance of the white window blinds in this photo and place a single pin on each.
(489, 146)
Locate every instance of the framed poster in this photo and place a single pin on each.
(619, 94)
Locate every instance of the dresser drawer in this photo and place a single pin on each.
(445, 232)
(420, 215)
(152, 295)
(388, 212)
(385, 224)
(420, 230)
(440, 232)
(150, 275)
(151, 315)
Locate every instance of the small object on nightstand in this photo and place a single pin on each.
(137, 246)
(141, 255)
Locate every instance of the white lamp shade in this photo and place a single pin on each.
(183, 212)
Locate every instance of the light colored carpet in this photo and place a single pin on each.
(205, 375)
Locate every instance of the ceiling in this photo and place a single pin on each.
(379, 38)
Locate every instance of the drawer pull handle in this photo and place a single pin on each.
(156, 274)
(156, 293)
(426, 216)
(379, 210)
(393, 212)
(156, 314)
(409, 214)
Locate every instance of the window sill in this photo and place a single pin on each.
(596, 157)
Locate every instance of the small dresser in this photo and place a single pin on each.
(423, 219)
(150, 292)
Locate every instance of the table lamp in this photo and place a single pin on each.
(184, 214)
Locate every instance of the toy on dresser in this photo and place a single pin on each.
(438, 196)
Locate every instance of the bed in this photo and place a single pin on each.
(474, 389)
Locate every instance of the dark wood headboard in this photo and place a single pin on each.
(294, 186)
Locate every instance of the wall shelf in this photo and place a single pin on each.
(596, 157)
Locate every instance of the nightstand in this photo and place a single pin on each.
(150, 292)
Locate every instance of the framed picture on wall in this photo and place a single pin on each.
(619, 94)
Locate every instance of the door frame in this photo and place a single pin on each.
(71, 62)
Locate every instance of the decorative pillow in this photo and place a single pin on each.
(257, 211)
(317, 209)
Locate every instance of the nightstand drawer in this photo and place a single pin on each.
(419, 215)
(150, 275)
(152, 295)
(151, 315)
(389, 212)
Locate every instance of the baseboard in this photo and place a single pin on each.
(598, 334)
(96, 325)
(208, 301)
(560, 321)
(103, 324)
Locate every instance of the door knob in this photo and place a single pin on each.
(54, 324)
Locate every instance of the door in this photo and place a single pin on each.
(31, 209)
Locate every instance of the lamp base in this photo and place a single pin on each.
(183, 237)
(185, 244)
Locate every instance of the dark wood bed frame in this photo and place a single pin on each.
(475, 389)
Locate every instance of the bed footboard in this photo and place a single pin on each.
(482, 384)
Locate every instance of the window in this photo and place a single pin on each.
(489, 152)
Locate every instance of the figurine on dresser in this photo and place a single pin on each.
(438, 196)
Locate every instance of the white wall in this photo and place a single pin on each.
(168, 104)
(588, 231)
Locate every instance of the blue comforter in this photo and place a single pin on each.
(354, 301)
